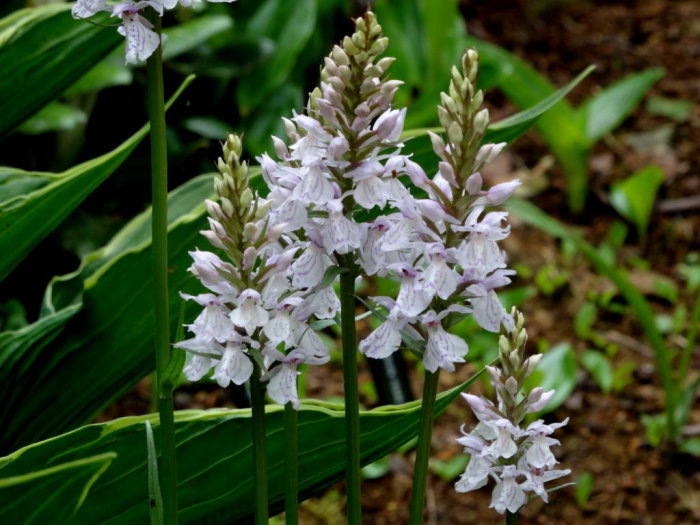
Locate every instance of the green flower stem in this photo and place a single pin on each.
(511, 518)
(291, 465)
(257, 396)
(159, 177)
(352, 398)
(420, 471)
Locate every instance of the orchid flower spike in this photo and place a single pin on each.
(517, 457)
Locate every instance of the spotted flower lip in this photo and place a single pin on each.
(141, 40)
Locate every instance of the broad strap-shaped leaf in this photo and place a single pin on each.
(93, 340)
(607, 109)
(52, 493)
(32, 204)
(43, 50)
(562, 128)
(215, 462)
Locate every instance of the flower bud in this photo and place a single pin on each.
(263, 209)
(444, 116)
(438, 144)
(280, 148)
(512, 386)
(473, 185)
(481, 121)
(500, 193)
(379, 46)
(531, 364)
(454, 133)
(246, 198)
(226, 206)
(213, 239)
(349, 47)
(250, 230)
(249, 256)
(339, 56)
(359, 40)
(214, 210)
(385, 63)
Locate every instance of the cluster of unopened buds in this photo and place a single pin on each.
(517, 457)
(141, 39)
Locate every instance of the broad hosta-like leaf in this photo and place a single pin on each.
(32, 204)
(43, 50)
(52, 494)
(93, 340)
(215, 461)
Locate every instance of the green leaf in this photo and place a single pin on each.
(155, 497)
(556, 370)
(634, 197)
(32, 204)
(94, 337)
(530, 214)
(42, 52)
(584, 487)
(508, 129)
(678, 110)
(52, 493)
(584, 320)
(286, 28)
(53, 117)
(599, 367)
(606, 110)
(427, 38)
(451, 468)
(562, 128)
(193, 33)
(656, 428)
(108, 73)
(691, 446)
(215, 464)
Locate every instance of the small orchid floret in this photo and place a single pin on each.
(249, 314)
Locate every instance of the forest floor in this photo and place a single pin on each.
(632, 482)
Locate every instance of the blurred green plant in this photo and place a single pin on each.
(569, 132)
(634, 197)
(673, 367)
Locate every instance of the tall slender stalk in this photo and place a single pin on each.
(159, 178)
(257, 396)
(511, 518)
(420, 470)
(291, 466)
(352, 398)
